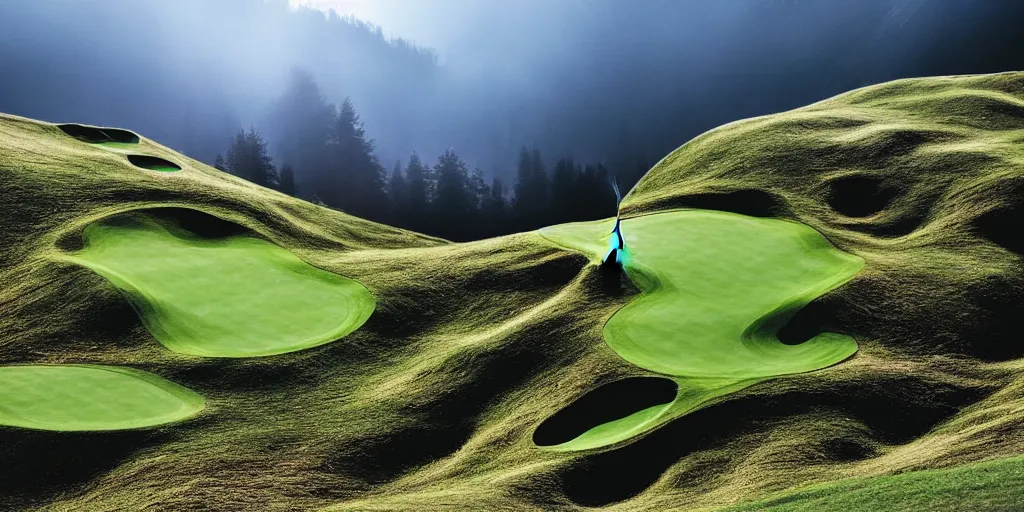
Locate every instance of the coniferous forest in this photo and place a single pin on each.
(332, 161)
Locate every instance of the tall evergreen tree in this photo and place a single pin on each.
(248, 159)
(540, 181)
(419, 193)
(522, 205)
(286, 180)
(478, 188)
(219, 164)
(564, 181)
(302, 121)
(531, 189)
(454, 202)
(398, 196)
(480, 193)
(495, 209)
(596, 199)
(356, 181)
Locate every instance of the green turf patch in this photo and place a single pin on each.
(994, 485)
(85, 397)
(220, 295)
(717, 288)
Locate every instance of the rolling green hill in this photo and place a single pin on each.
(818, 311)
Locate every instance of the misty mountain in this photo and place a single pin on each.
(601, 80)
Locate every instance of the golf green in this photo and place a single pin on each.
(86, 397)
(716, 287)
(222, 295)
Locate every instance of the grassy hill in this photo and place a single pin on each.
(820, 313)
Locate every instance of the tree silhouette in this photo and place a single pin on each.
(355, 181)
(563, 193)
(219, 164)
(301, 121)
(286, 180)
(420, 191)
(454, 202)
(248, 159)
(398, 196)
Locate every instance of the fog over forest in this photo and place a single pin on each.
(617, 82)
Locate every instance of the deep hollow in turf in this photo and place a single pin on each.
(153, 163)
(221, 296)
(91, 398)
(95, 135)
(859, 196)
(633, 400)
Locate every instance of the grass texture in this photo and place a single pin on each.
(981, 486)
(480, 358)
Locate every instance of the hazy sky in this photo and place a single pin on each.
(402, 18)
(618, 81)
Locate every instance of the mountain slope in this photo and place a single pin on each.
(434, 401)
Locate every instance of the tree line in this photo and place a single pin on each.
(327, 158)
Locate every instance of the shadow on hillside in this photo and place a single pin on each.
(438, 426)
(896, 409)
(95, 135)
(606, 403)
(752, 202)
(859, 196)
(36, 466)
(153, 163)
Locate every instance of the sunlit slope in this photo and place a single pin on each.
(479, 357)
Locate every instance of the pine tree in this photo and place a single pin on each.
(480, 193)
(531, 189)
(522, 206)
(540, 182)
(454, 202)
(248, 159)
(356, 181)
(286, 181)
(497, 199)
(419, 193)
(219, 164)
(495, 209)
(302, 121)
(398, 196)
(479, 188)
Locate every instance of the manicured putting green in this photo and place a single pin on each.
(85, 397)
(222, 296)
(717, 287)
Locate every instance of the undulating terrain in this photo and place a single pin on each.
(811, 310)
